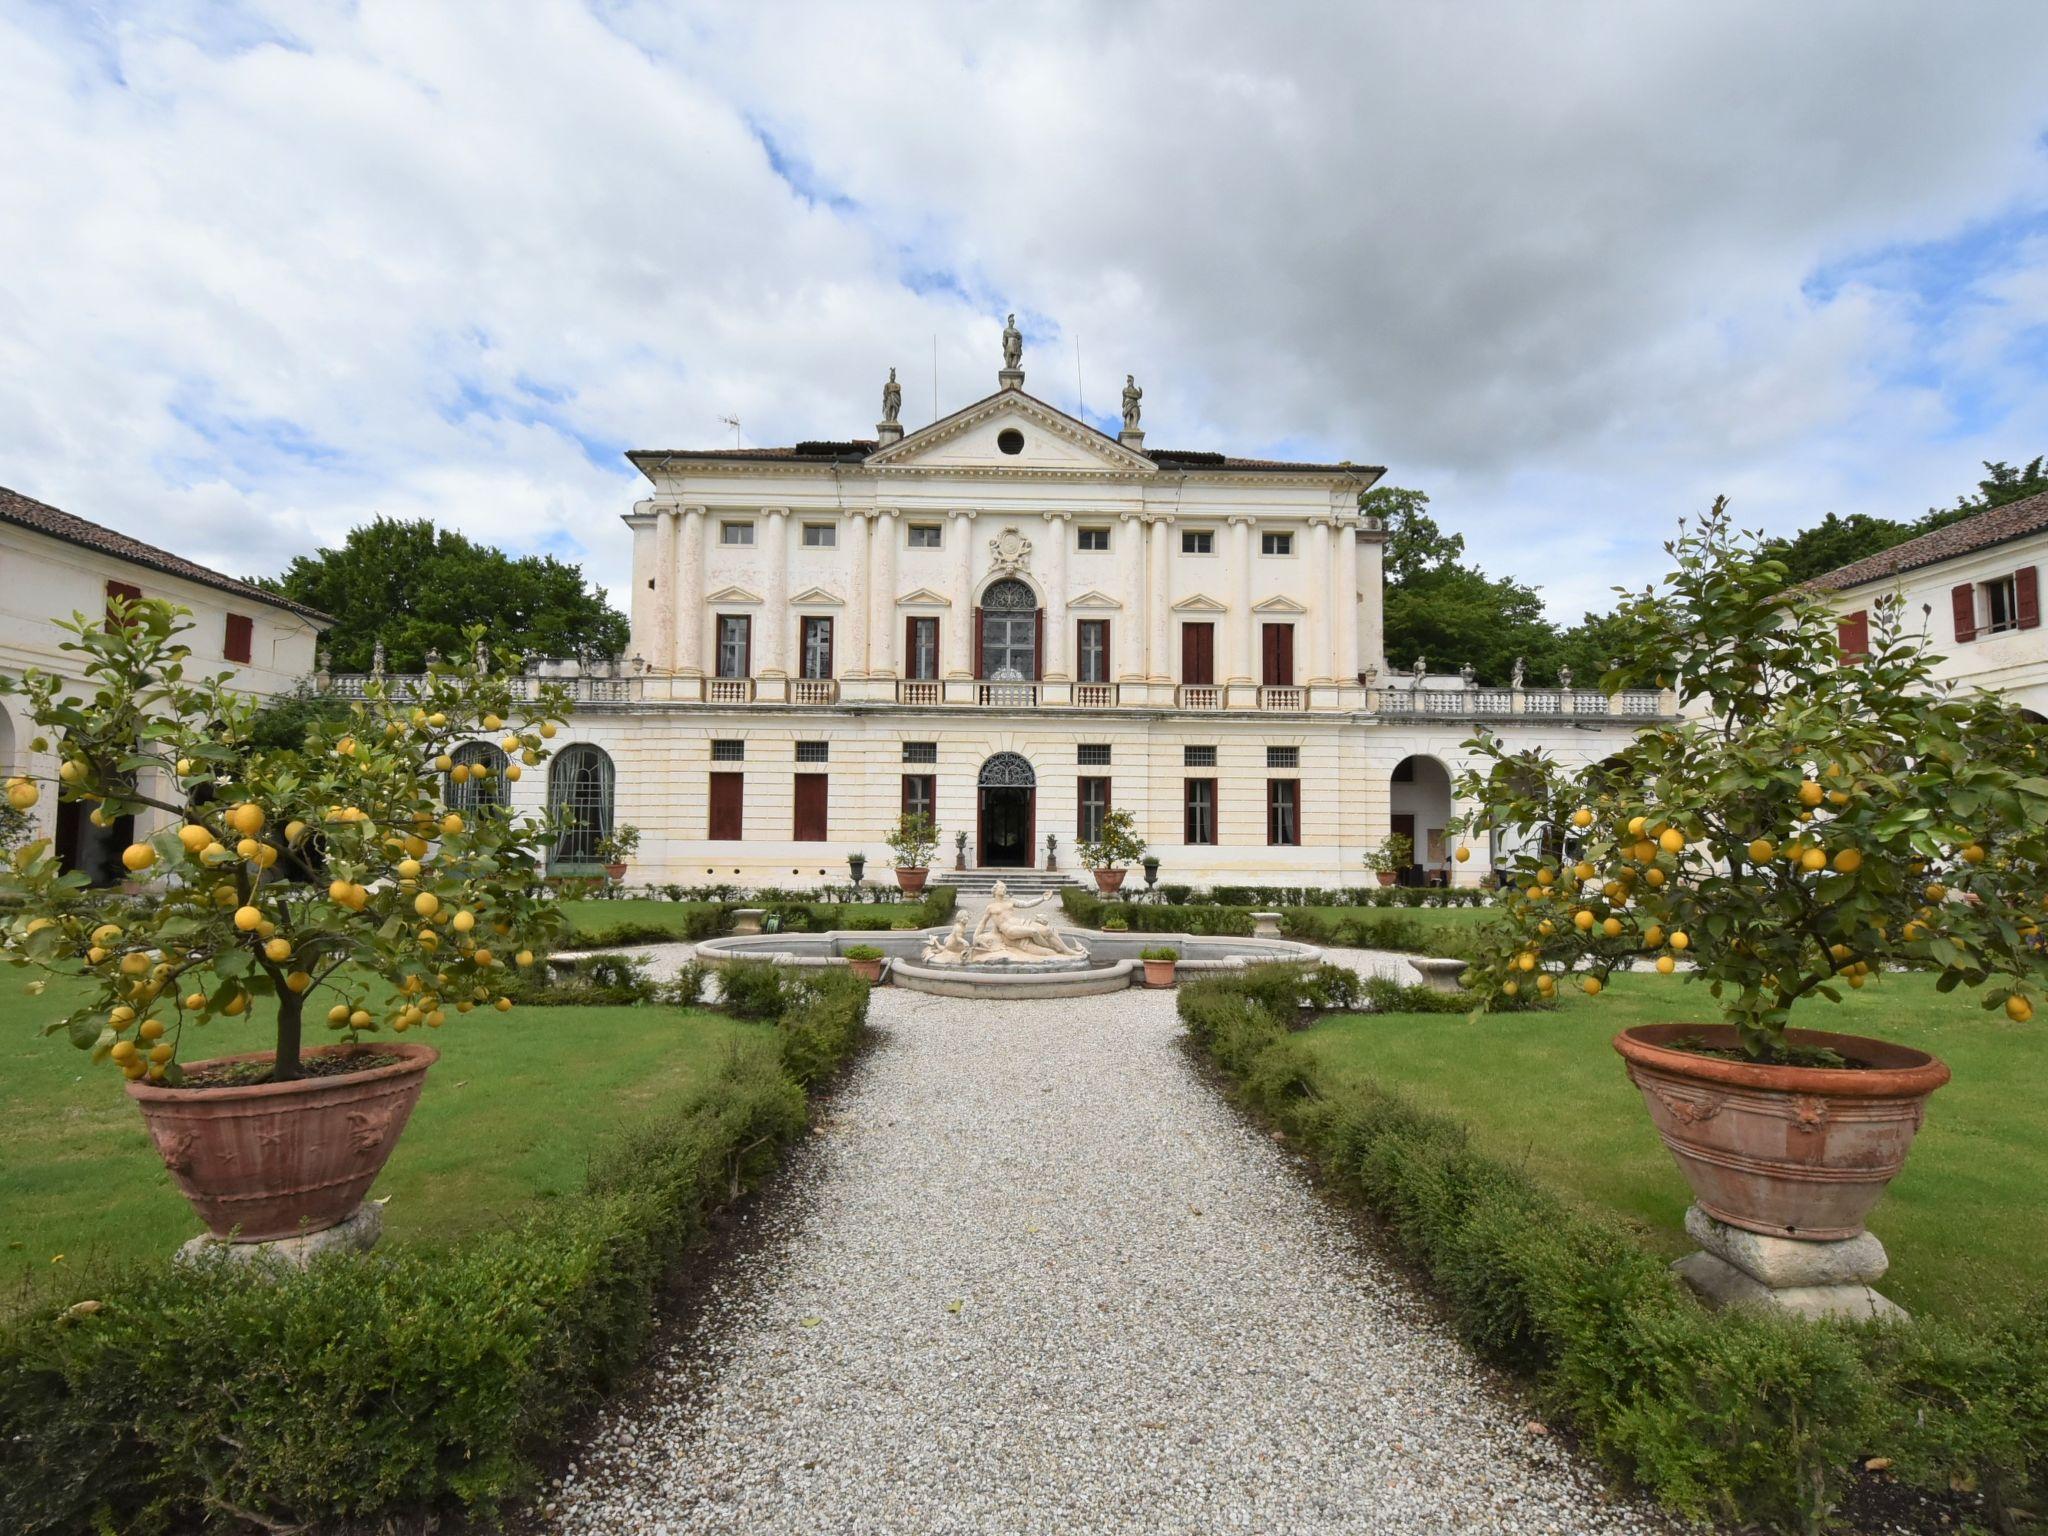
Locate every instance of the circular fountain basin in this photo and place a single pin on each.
(1111, 964)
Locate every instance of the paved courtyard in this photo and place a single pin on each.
(1035, 1275)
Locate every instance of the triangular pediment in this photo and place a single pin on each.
(1201, 602)
(732, 595)
(1095, 600)
(973, 438)
(924, 597)
(1278, 605)
(818, 597)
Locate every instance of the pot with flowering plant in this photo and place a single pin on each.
(1808, 822)
(328, 880)
(912, 842)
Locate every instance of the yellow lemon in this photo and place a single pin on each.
(1582, 817)
(1545, 985)
(451, 824)
(1463, 853)
(278, 949)
(1653, 937)
(22, 795)
(246, 818)
(1546, 876)
(1671, 840)
(1666, 965)
(503, 1005)
(1680, 941)
(464, 921)
(523, 959)
(298, 981)
(195, 839)
(248, 919)
(1582, 919)
(1813, 858)
(1612, 927)
(426, 903)
(512, 770)
(338, 1014)
(444, 762)
(1762, 851)
(1848, 861)
(1973, 854)
(408, 869)
(247, 848)
(138, 856)
(122, 1050)
(1809, 793)
(547, 729)
(2018, 1009)
(1592, 986)
(360, 1019)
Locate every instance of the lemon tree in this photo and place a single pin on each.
(326, 880)
(1808, 821)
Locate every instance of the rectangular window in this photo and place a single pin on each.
(1198, 757)
(820, 536)
(920, 795)
(735, 645)
(1283, 757)
(1852, 635)
(1093, 798)
(728, 751)
(1283, 812)
(817, 647)
(735, 533)
(921, 648)
(1095, 538)
(1200, 799)
(2000, 606)
(920, 751)
(240, 644)
(1277, 655)
(728, 807)
(814, 751)
(1198, 655)
(1276, 543)
(123, 591)
(925, 536)
(1197, 541)
(810, 808)
(1092, 754)
(1091, 650)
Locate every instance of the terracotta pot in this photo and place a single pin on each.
(1108, 880)
(911, 881)
(616, 871)
(1801, 1152)
(281, 1159)
(1386, 876)
(1159, 973)
(866, 970)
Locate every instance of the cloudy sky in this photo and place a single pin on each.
(269, 269)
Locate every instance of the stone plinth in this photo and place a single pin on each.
(748, 919)
(1736, 1267)
(1265, 925)
(1010, 378)
(1440, 975)
(357, 1234)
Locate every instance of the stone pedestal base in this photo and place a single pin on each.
(1737, 1267)
(1010, 378)
(357, 1234)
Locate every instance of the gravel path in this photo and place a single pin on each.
(1034, 1275)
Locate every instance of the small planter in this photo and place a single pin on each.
(1109, 881)
(858, 868)
(912, 880)
(866, 968)
(1159, 973)
(1798, 1152)
(1385, 877)
(279, 1160)
(616, 871)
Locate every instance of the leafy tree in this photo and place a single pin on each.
(1837, 541)
(417, 588)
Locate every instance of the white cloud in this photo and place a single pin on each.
(1553, 264)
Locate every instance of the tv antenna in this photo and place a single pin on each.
(734, 423)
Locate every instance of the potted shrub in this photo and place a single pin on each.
(913, 841)
(615, 847)
(325, 880)
(960, 850)
(1115, 846)
(865, 961)
(1116, 922)
(1810, 823)
(1159, 965)
(1394, 854)
(857, 866)
(1052, 850)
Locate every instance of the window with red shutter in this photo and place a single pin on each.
(1963, 602)
(1278, 655)
(1198, 655)
(123, 591)
(728, 807)
(2026, 585)
(1852, 634)
(810, 807)
(240, 642)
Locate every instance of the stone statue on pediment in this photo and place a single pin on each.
(1013, 345)
(892, 399)
(1132, 395)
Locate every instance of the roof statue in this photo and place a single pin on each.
(1013, 345)
(1132, 395)
(892, 399)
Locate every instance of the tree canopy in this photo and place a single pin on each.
(417, 587)
(1836, 541)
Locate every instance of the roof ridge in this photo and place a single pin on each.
(1981, 530)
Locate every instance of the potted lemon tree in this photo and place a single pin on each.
(1394, 854)
(615, 848)
(1809, 822)
(325, 883)
(912, 842)
(1113, 849)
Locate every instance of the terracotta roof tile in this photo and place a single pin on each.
(26, 512)
(2014, 520)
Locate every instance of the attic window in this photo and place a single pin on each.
(1010, 440)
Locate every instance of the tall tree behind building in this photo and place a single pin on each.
(1836, 541)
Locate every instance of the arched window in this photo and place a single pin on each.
(580, 785)
(1009, 632)
(477, 791)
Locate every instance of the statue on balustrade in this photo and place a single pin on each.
(892, 400)
(1420, 669)
(1132, 395)
(1521, 671)
(1013, 345)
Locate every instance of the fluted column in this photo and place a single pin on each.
(852, 660)
(1244, 646)
(1317, 589)
(1159, 665)
(1344, 586)
(689, 575)
(774, 638)
(881, 590)
(1058, 642)
(960, 637)
(661, 652)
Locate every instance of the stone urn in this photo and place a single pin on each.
(1109, 881)
(1788, 1152)
(911, 881)
(1385, 877)
(617, 871)
(278, 1160)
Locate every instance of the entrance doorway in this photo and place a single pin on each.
(1007, 833)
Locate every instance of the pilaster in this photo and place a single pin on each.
(958, 636)
(774, 639)
(1058, 642)
(692, 620)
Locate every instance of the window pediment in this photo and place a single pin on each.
(1095, 600)
(924, 597)
(1278, 605)
(733, 595)
(1200, 602)
(818, 597)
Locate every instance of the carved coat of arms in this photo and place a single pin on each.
(1012, 551)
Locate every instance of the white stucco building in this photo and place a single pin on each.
(54, 565)
(1973, 589)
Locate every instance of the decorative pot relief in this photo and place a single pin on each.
(1690, 1111)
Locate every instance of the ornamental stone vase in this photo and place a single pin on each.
(275, 1160)
(1791, 1152)
(911, 881)
(1109, 881)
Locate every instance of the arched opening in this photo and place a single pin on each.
(478, 791)
(1419, 795)
(580, 789)
(2033, 717)
(1007, 827)
(1008, 643)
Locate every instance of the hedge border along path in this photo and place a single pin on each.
(1735, 1414)
(415, 1380)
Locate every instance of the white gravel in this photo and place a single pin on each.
(1034, 1275)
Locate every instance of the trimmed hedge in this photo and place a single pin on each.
(1088, 909)
(412, 1380)
(1736, 1414)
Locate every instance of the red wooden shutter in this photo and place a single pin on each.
(1037, 646)
(1278, 660)
(1198, 655)
(909, 646)
(2026, 587)
(1108, 672)
(728, 801)
(240, 643)
(978, 671)
(1852, 633)
(123, 591)
(810, 808)
(1963, 600)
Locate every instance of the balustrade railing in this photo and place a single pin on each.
(920, 690)
(814, 690)
(1283, 698)
(1006, 695)
(728, 690)
(1094, 695)
(1199, 696)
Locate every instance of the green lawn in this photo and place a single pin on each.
(509, 1114)
(1965, 1224)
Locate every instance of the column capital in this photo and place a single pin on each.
(693, 511)
(884, 511)
(1241, 520)
(959, 513)
(775, 511)
(1059, 515)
